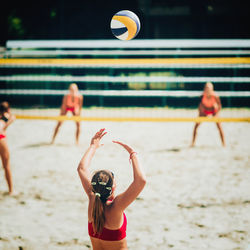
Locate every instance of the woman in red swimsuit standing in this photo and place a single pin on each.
(210, 105)
(71, 102)
(106, 218)
(6, 118)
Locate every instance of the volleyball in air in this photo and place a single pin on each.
(125, 25)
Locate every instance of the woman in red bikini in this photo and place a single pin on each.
(71, 102)
(6, 118)
(210, 105)
(106, 218)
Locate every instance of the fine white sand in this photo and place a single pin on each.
(195, 198)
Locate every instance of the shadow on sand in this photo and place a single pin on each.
(46, 144)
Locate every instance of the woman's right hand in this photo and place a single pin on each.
(126, 147)
(95, 141)
(12, 118)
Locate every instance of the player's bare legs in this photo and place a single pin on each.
(221, 134)
(195, 133)
(78, 130)
(4, 152)
(59, 124)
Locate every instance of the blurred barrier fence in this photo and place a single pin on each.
(138, 73)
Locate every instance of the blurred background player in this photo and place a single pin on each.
(71, 102)
(210, 104)
(6, 118)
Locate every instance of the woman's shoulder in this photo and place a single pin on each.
(114, 206)
(70, 96)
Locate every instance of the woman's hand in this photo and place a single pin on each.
(201, 110)
(95, 141)
(128, 148)
(12, 118)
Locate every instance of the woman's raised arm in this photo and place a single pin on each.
(83, 167)
(139, 180)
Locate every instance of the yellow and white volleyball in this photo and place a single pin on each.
(125, 25)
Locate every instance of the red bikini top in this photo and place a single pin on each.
(108, 234)
(72, 101)
(208, 102)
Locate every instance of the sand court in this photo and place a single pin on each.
(195, 198)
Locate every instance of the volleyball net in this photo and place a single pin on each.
(140, 80)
